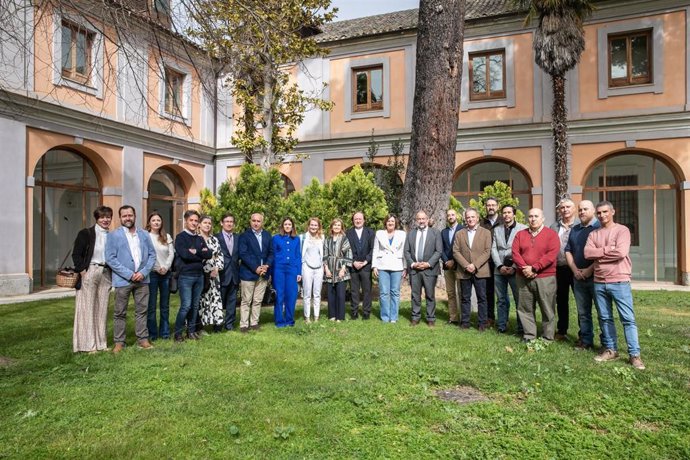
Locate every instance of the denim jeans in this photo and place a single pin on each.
(501, 283)
(584, 297)
(158, 283)
(605, 294)
(190, 287)
(389, 294)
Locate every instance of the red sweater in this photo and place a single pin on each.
(540, 251)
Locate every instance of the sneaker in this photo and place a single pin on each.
(307, 321)
(637, 363)
(606, 355)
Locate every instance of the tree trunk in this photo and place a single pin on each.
(436, 107)
(267, 117)
(561, 146)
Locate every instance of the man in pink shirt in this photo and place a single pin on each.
(609, 247)
(535, 250)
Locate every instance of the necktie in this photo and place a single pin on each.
(420, 245)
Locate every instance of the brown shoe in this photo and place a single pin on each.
(560, 337)
(606, 355)
(244, 330)
(119, 346)
(432, 324)
(637, 363)
(145, 344)
(414, 322)
(580, 345)
(254, 327)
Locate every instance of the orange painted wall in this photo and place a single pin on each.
(524, 86)
(675, 54)
(395, 123)
(43, 69)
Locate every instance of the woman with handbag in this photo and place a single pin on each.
(337, 258)
(93, 289)
(159, 279)
(211, 305)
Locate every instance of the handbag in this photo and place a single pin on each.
(67, 277)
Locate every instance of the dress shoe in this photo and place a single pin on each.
(119, 346)
(481, 328)
(455, 323)
(254, 327)
(490, 322)
(179, 338)
(414, 322)
(431, 324)
(464, 326)
(244, 330)
(144, 344)
(560, 337)
(501, 331)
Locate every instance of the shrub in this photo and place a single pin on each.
(504, 194)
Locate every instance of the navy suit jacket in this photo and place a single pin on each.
(231, 262)
(251, 256)
(361, 250)
(447, 253)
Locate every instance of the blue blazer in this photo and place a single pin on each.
(251, 256)
(119, 258)
(447, 253)
(231, 262)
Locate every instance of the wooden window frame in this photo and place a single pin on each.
(172, 102)
(369, 106)
(629, 80)
(71, 73)
(488, 94)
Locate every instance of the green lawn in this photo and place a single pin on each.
(351, 390)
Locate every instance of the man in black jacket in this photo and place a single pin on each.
(362, 243)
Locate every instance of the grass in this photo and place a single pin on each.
(351, 390)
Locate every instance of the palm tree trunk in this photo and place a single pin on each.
(561, 146)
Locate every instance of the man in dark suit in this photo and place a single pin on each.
(361, 240)
(472, 251)
(492, 220)
(452, 286)
(230, 274)
(423, 248)
(256, 259)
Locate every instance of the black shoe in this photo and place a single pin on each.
(179, 338)
(365, 317)
(501, 331)
(455, 323)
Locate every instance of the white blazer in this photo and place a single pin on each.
(389, 256)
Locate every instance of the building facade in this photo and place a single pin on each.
(87, 119)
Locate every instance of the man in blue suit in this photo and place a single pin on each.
(230, 274)
(256, 260)
(130, 255)
(448, 264)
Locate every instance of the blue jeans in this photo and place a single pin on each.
(584, 296)
(605, 294)
(501, 283)
(158, 283)
(190, 287)
(389, 294)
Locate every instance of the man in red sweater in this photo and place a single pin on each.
(609, 248)
(535, 250)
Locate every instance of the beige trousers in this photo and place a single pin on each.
(452, 289)
(91, 310)
(252, 293)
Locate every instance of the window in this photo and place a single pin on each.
(470, 181)
(77, 44)
(368, 89)
(630, 58)
(487, 75)
(173, 91)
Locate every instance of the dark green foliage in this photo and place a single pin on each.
(504, 194)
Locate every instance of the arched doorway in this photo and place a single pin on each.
(644, 191)
(470, 181)
(66, 192)
(289, 186)
(168, 196)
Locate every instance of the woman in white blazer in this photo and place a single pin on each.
(388, 264)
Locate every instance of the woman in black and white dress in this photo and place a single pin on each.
(211, 305)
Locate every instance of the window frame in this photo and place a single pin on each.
(182, 113)
(629, 79)
(369, 106)
(487, 95)
(92, 85)
(172, 102)
(656, 27)
(349, 93)
(507, 44)
(89, 38)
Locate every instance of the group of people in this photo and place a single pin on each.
(540, 265)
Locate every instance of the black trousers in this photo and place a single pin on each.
(466, 304)
(490, 293)
(229, 296)
(564, 283)
(336, 300)
(360, 281)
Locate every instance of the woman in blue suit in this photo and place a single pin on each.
(287, 272)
